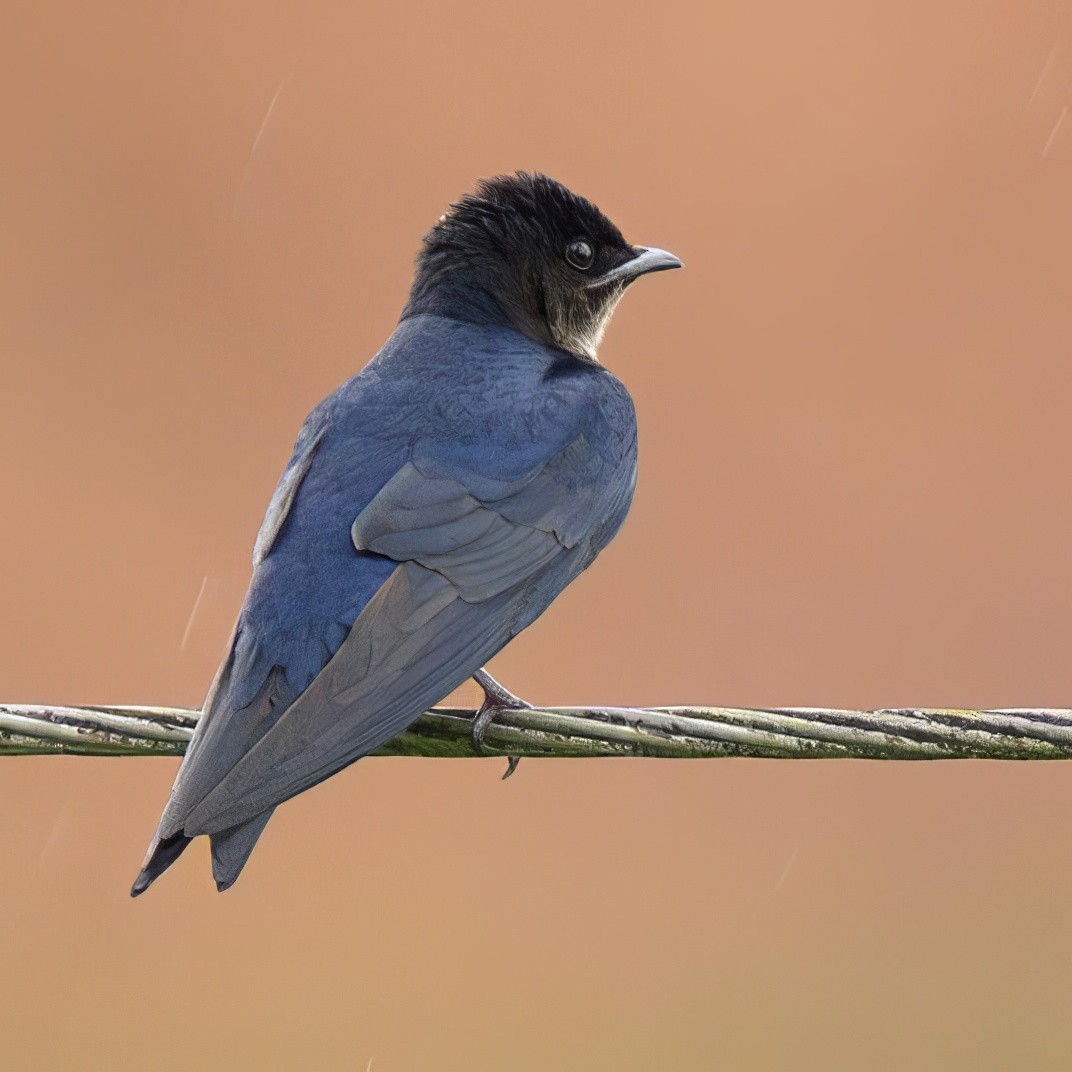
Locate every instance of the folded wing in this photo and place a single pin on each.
(479, 558)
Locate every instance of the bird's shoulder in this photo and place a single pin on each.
(488, 388)
(472, 398)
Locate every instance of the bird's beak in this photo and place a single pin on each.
(647, 259)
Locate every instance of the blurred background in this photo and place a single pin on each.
(854, 491)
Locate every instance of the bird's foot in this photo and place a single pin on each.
(496, 700)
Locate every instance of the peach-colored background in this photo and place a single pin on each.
(854, 409)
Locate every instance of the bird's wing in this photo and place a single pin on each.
(228, 729)
(479, 556)
(287, 489)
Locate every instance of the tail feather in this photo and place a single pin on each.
(231, 849)
(162, 855)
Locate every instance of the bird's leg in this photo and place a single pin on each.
(496, 699)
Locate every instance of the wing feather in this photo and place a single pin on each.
(286, 490)
(413, 643)
(438, 522)
(479, 558)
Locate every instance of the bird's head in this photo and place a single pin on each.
(524, 251)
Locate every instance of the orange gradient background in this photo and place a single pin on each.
(854, 490)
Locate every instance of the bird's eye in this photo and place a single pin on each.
(579, 254)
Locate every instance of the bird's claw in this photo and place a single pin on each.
(496, 700)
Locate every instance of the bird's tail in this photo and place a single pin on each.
(231, 849)
(163, 852)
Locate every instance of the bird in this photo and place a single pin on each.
(434, 505)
